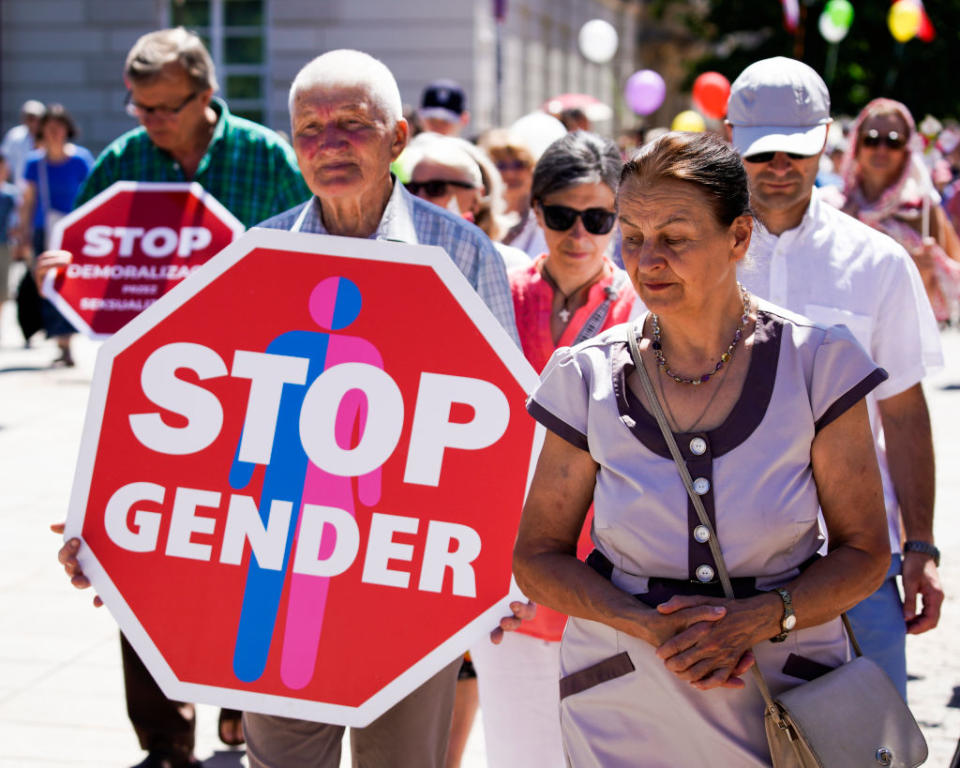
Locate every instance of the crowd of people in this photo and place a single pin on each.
(785, 305)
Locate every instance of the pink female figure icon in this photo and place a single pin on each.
(308, 594)
(334, 304)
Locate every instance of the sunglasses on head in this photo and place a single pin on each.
(597, 221)
(435, 187)
(893, 139)
(766, 157)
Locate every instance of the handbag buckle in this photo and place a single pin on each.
(885, 756)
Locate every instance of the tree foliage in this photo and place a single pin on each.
(869, 62)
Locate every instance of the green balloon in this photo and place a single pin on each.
(840, 12)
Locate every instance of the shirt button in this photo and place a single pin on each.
(705, 573)
(702, 534)
(701, 485)
(698, 446)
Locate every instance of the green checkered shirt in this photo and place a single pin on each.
(247, 167)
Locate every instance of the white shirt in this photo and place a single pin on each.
(17, 143)
(838, 271)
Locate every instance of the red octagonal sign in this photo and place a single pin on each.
(301, 475)
(131, 244)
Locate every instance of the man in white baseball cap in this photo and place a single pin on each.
(813, 259)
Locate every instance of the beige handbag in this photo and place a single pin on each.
(850, 717)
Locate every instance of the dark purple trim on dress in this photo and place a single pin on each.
(851, 397)
(601, 672)
(557, 425)
(746, 415)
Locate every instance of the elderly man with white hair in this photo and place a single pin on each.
(347, 127)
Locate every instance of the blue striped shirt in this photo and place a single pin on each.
(408, 219)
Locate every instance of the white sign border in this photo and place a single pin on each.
(475, 631)
(118, 187)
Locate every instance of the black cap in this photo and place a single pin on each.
(444, 99)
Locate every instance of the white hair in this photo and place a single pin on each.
(443, 150)
(350, 69)
(454, 152)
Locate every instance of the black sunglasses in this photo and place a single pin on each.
(766, 157)
(597, 221)
(435, 187)
(893, 140)
(512, 165)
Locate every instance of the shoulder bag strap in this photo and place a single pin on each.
(701, 512)
(599, 315)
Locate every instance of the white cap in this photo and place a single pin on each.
(779, 105)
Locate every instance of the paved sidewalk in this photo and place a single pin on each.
(61, 693)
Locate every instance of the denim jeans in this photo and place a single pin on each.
(880, 629)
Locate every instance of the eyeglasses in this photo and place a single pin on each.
(893, 139)
(597, 221)
(164, 113)
(766, 157)
(512, 165)
(436, 187)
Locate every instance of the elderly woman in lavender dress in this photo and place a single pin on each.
(768, 410)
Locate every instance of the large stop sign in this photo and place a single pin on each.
(131, 244)
(302, 473)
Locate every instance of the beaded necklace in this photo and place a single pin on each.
(724, 358)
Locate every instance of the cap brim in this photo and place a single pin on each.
(800, 139)
(439, 113)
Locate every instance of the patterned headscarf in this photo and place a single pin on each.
(903, 199)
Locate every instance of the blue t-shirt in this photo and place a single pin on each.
(64, 181)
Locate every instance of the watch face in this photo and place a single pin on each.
(789, 623)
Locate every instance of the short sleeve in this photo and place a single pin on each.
(843, 374)
(560, 400)
(906, 340)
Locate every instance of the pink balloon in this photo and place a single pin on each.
(645, 91)
(710, 93)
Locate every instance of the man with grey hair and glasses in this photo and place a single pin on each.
(185, 134)
(813, 259)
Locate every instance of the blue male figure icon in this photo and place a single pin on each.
(290, 477)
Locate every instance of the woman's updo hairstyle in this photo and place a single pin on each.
(703, 159)
(576, 158)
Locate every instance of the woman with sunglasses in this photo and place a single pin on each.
(457, 175)
(887, 186)
(570, 293)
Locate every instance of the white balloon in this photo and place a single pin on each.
(830, 31)
(598, 41)
(537, 131)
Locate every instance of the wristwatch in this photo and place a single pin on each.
(789, 620)
(924, 547)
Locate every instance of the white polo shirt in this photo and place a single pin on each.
(836, 270)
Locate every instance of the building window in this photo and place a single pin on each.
(234, 32)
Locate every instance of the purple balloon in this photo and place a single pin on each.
(645, 91)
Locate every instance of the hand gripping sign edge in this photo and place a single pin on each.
(451, 646)
(49, 290)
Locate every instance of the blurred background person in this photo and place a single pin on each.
(455, 174)
(515, 161)
(20, 140)
(8, 211)
(443, 108)
(886, 185)
(52, 178)
(571, 292)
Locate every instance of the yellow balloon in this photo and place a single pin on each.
(904, 20)
(689, 121)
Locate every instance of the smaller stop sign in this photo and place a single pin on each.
(131, 244)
